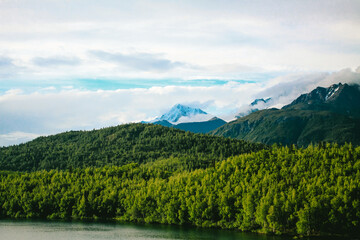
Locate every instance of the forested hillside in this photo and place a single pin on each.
(325, 114)
(129, 143)
(279, 190)
(287, 127)
(155, 174)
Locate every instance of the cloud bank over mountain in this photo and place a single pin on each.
(52, 110)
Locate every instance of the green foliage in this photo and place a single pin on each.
(293, 126)
(116, 146)
(278, 190)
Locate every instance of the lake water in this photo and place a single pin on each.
(52, 230)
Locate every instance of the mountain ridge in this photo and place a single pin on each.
(340, 98)
(258, 100)
(321, 115)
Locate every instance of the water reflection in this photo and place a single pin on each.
(52, 230)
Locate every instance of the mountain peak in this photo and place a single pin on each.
(258, 100)
(319, 95)
(332, 90)
(256, 105)
(325, 114)
(179, 106)
(178, 111)
(339, 98)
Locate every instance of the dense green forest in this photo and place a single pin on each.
(279, 190)
(116, 146)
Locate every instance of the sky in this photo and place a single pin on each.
(79, 65)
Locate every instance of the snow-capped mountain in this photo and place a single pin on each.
(340, 98)
(181, 114)
(319, 95)
(325, 114)
(188, 119)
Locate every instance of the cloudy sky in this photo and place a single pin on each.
(83, 64)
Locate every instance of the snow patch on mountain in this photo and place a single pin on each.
(331, 92)
(181, 114)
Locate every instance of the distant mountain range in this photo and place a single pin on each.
(325, 114)
(189, 119)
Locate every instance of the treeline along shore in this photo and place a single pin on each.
(281, 190)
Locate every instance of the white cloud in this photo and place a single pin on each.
(236, 37)
(344, 76)
(47, 43)
(13, 138)
(285, 89)
(55, 61)
(138, 61)
(55, 110)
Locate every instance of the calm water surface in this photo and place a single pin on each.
(38, 230)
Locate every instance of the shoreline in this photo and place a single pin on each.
(114, 221)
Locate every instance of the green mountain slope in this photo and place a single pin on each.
(339, 98)
(195, 127)
(300, 127)
(120, 145)
(323, 115)
(201, 127)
